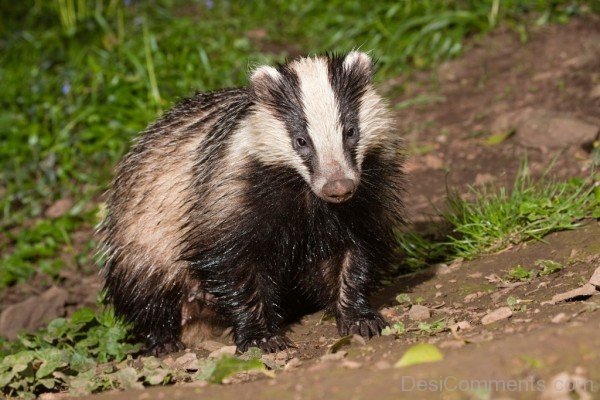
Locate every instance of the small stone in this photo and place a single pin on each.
(473, 296)
(59, 208)
(433, 162)
(338, 355)
(188, 361)
(383, 365)
(559, 318)
(351, 364)
(419, 313)
(438, 286)
(452, 344)
(211, 345)
(230, 350)
(545, 129)
(463, 326)
(584, 291)
(497, 315)
(595, 279)
(292, 364)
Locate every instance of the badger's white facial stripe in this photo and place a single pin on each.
(323, 120)
(374, 122)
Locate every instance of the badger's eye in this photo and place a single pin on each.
(350, 132)
(300, 142)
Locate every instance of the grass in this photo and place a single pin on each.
(488, 220)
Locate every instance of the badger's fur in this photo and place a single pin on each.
(251, 207)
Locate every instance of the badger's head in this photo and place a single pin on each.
(319, 116)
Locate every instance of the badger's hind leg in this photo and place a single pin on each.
(153, 308)
(200, 319)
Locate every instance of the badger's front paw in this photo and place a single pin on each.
(268, 344)
(366, 325)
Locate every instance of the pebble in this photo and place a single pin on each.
(230, 350)
(559, 318)
(497, 315)
(419, 313)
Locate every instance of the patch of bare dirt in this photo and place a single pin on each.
(540, 94)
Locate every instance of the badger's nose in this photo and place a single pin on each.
(339, 190)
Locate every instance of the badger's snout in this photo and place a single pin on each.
(339, 190)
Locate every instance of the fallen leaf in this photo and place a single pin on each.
(498, 138)
(228, 366)
(419, 354)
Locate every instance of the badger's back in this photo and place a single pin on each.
(149, 202)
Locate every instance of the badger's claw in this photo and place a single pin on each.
(268, 344)
(367, 326)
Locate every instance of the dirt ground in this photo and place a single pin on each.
(525, 350)
(472, 126)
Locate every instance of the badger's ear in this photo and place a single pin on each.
(263, 80)
(358, 61)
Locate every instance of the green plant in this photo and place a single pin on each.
(548, 267)
(492, 219)
(49, 359)
(432, 328)
(519, 273)
(531, 210)
(396, 329)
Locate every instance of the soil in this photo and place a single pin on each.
(466, 101)
(525, 350)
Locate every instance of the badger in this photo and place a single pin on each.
(249, 208)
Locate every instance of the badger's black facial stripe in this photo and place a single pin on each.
(283, 98)
(349, 85)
